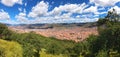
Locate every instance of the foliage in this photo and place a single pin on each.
(4, 31)
(10, 49)
(109, 35)
(44, 54)
(113, 16)
(32, 41)
(102, 53)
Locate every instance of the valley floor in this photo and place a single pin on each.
(69, 33)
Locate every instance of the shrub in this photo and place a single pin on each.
(10, 49)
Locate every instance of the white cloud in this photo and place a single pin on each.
(11, 2)
(39, 10)
(95, 10)
(72, 8)
(78, 16)
(71, 20)
(25, 4)
(79, 9)
(102, 8)
(9, 22)
(24, 10)
(92, 9)
(21, 17)
(4, 15)
(66, 7)
(102, 13)
(20, 9)
(66, 16)
(60, 14)
(116, 8)
(105, 2)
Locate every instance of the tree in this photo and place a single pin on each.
(109, 35)
(4, 31)
(113, 16)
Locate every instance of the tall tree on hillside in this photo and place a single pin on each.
(113, 16)
(109, 20)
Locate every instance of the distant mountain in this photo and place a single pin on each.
(54, 25)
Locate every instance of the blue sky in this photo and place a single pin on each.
(55, 11)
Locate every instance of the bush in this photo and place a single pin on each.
(44, 54)
(102, 53)
(10, 49)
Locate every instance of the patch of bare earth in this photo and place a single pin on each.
(72, 33)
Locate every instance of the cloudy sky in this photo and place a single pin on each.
(55, 11)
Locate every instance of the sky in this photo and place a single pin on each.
(55, 11)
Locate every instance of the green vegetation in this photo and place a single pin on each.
(10, 49)
(44, 54)
(106, 44)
